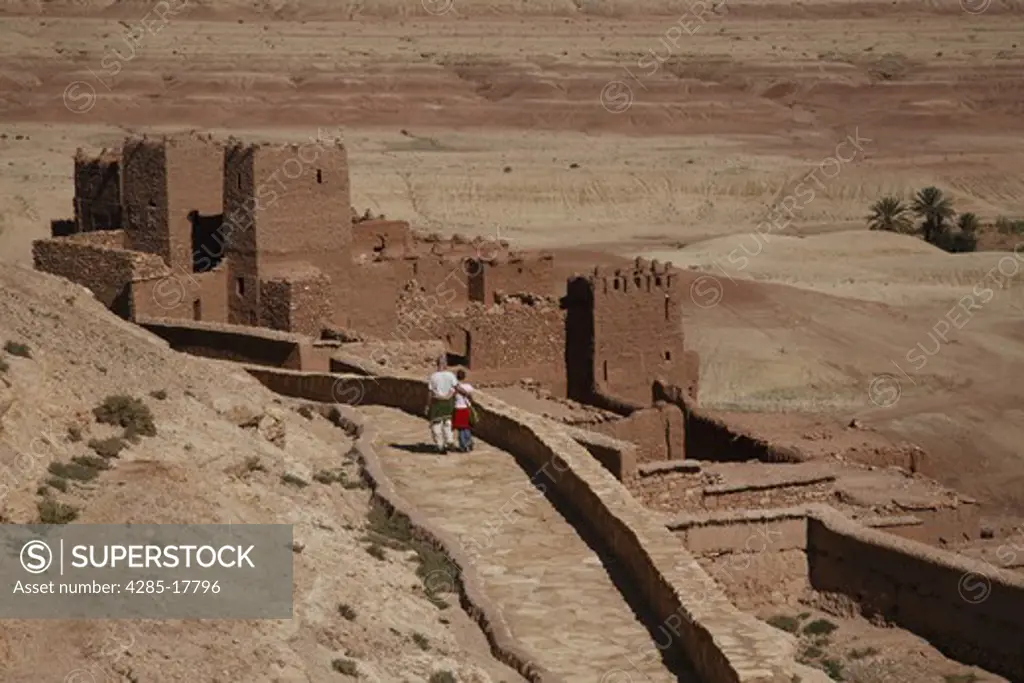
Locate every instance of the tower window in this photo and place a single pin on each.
(239, 181)
(240, 286)
(605, 364)
(668, 355)
(668, 303)
(319, 176)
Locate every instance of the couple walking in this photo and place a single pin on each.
(449, 406)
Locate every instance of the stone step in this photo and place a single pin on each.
(665, 466)
(774, 483)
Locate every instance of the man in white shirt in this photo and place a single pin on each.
(441, 405)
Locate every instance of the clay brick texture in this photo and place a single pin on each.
(624, 332)
(503, 344)
(97, 191)
(298, 299)
(515, 274)
(659, 432)
(195, 296)
(373, 236)
(167, 185)
(107, 272)
(287, 204)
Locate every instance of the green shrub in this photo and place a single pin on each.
(54, 512)
(108, 448)
(17, 349)
(345, 666)
(819, 627)
(72, 470)
(421, 641)
(94, 461)
(127, 412)
(293, 480)
(58, 483)
(784, 622)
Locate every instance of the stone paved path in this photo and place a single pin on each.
(556, 594)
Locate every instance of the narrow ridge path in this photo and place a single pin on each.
(557, 596)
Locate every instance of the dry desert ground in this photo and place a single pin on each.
(550, 123)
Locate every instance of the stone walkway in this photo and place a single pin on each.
(554, 590)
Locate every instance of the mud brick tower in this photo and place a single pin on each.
(624, 331)
(97, 191)
(286, 208)
(171, 186)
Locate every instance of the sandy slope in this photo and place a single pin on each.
(194, 471)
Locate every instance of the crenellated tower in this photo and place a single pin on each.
(623, 331)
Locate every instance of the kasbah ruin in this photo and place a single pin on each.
(674, 543)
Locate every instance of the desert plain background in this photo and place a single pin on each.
(655, 128)
(609, 129)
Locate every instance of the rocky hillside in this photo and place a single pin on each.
(102, 423)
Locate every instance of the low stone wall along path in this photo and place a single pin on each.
(553, 589)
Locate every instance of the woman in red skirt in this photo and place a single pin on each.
(460, 420)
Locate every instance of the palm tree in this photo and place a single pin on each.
(968, 223)
(931, 205)
(890, 214)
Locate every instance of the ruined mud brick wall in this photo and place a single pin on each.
(376, 287)
(459, 246)
(164, 181)
(507, 342)
(287, 204)
(297, 298)
(401, 296)
(374, 235)
(182, 296)
(110, 239)
(97, 191)
(256, 346)
(709, 438)
(512, 274)
(968, 609)
(108, 273)
(624, 332)
(659, 432)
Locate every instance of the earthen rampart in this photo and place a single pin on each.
(240, 344)
(724, 644)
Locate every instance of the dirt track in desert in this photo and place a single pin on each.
(513, 117)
